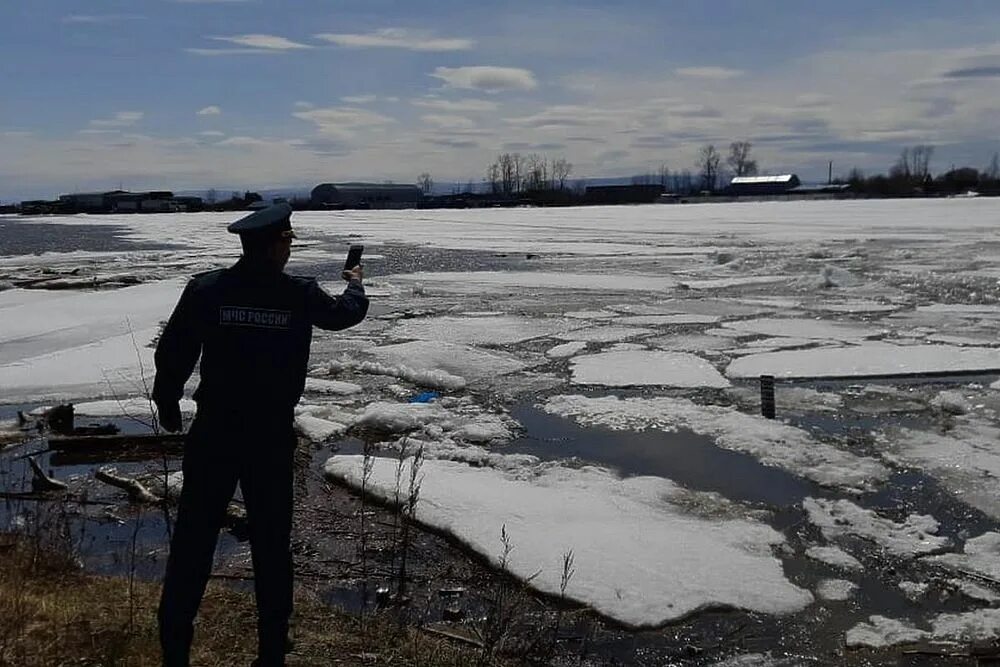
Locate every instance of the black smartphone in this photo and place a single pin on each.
(353, 256)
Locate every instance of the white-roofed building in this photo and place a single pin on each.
(775, 184)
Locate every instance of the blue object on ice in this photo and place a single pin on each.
(425, 397)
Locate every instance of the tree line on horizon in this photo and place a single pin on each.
(536, 176)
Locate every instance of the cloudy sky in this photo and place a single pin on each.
(189, 94)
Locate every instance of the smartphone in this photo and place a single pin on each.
(353, 256)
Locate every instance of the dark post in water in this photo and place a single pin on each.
(767, 396)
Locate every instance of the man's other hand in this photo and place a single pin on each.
(357, 273)
(169, 416)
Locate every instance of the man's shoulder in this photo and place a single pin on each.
(206, 279)
(300, 282)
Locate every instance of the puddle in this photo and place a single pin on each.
(690, 459)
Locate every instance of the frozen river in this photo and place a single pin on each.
(595, 372)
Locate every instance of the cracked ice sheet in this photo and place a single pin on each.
(966, 460)
(501, 330)
(739, 281)
(771, 442)
(106, 368)
(461, 360)
(913, 537)
(867, 360)
(639, 558)
(631, 368)
(42, 324)
(804, 328)
(476, 281)
(603, 334)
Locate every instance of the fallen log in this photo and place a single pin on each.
(41, 482)
(173, 442)
(135, 490)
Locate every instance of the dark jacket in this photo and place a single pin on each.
(253, 332)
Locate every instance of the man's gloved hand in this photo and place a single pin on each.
(169, 415)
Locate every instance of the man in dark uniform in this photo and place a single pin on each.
(252, 326)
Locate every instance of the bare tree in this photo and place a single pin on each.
(739, 159)
(663, 175)
(561, 169)
(920, 159)
(536, 175)
(493, 177)
(683, 181)
(708, 166)
(913, 163)
(426, 183)
(510, 178)
(212, 196)
(643, 179)
(992, 172)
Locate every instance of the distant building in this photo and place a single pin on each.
(777, 184)
(365, 195)
(89, 202)
(120, 201)
(622, 194)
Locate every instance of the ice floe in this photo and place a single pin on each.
(835, 557)
(913, 537)
(836, 589)
(667, 320)
(502, 330)
(461, 360)
(966, 459)
(803, 328)
(882, 632)
(867, 360)
(126, 407)
(477, 281)
(317, 429)
(566, 350)
(979, 555)
(636, 367)
(639, 559)
(336, 387)
(604, 334)
(771, 442)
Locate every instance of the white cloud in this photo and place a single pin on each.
(486, 78)
(343, 122)
(212, 133)
(262, 41)
(228, 52)
(210, 111)
(359, 99)
(304, 105)
(448, 121)
(100, 18)
(397, 38)
(459, 106)
(709, 72)
(120, 119)
(561, 116)
(243, 142)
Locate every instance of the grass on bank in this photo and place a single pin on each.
(52, 614)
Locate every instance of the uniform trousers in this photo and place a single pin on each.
(223, 448)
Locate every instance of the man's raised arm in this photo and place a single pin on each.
(335, 313)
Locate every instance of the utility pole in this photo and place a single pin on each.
(829, 174)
